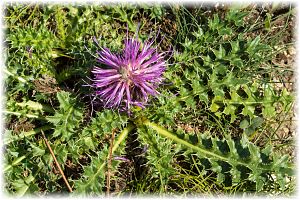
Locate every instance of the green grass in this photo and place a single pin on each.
(226, 105)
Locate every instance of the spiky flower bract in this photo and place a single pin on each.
(127, 79)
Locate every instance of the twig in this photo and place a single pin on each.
(109, 163)
(56, 162)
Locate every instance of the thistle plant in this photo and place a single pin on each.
(127, 79)
(218, 126)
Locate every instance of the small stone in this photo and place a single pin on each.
(286, 130)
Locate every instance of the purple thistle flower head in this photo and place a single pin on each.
(128, 78)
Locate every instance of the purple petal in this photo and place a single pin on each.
(128, 96)
(136, 72)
